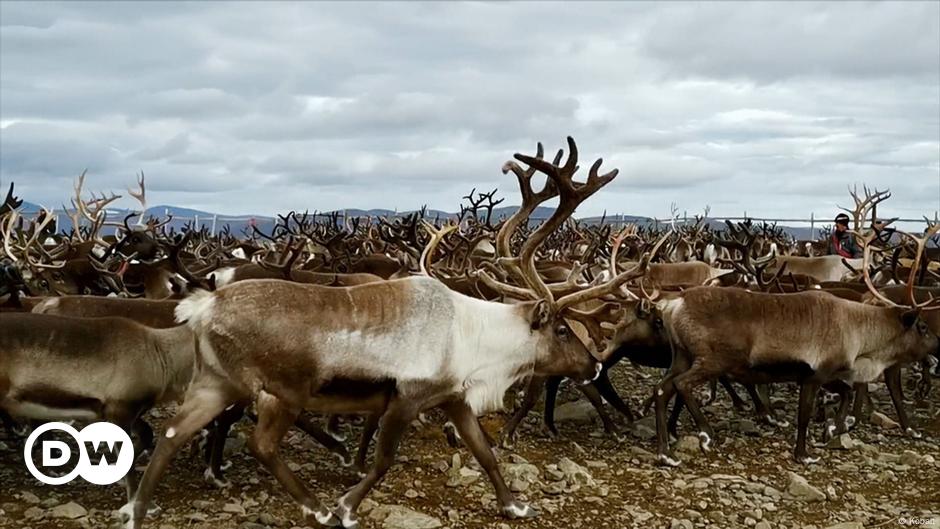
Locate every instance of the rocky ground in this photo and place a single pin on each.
(874, 477)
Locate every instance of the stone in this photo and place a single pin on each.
(399, 517)
(841, 442)
(911, 458)
(578, 412)
(522, 472)
(68, 511)
(29, 498)
(880, 419)
(688, 444)
(846, 525)
(746, 426)
(575, 473)
(233, 508)
(800, 489)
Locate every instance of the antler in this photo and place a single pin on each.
(10, 203)
(865, 206)
(571, 194)
(437, 235)
(140, 196)
(920, 243)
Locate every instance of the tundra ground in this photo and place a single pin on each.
(584, 479)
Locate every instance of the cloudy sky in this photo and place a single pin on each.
(242, 108)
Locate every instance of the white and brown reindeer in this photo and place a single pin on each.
(810, 338)
(394, 348)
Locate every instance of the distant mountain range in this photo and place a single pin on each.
(238, 223)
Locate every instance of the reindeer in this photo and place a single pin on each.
(91, 369)
(810, 338)
(394, 348)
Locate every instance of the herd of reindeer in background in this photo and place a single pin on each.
(389, 317)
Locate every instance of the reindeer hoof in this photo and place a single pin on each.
(549, 432)
(344, 459)
(453, 436)
(705, 441)
(225, 466)
(126, 513)
(668, 461)
(347, 516)
(516, 510)
(154, 510)
(849, 421)
(337, 436)
(830, 432)
(914, 434)
(808, 460)
(324, 518)
(508, 442)
(210, 478)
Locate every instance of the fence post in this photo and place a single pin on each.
(812, 225)
(196, 222)
(214, 219)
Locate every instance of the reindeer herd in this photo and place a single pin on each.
(389, 317)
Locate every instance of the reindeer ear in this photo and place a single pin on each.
(541, 315)
(909, 318)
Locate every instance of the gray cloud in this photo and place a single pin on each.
(240, 108)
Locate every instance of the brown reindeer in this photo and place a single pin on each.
(810, 338)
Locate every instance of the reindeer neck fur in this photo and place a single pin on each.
(494, 346)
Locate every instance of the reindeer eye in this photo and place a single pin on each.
(562, 331)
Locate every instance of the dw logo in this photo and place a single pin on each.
(107, 443)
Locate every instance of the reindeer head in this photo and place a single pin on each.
(916, 340)
(550, 307)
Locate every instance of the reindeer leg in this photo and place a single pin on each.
(394, 423)
(594, 397)
(842, 422)
(532, 392)
(673, 425)
(368, 431)
(127, 418)
(712, 392)
(736, 401)
(661, 396)
(311, 428)
(808, 392)
(475, 438)
(205, 399)
(893, 381)
(685, 384)
(610, 394)
(275, 418)
(861, 399)
(333, 428)
(215, 448)
(551, 394)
